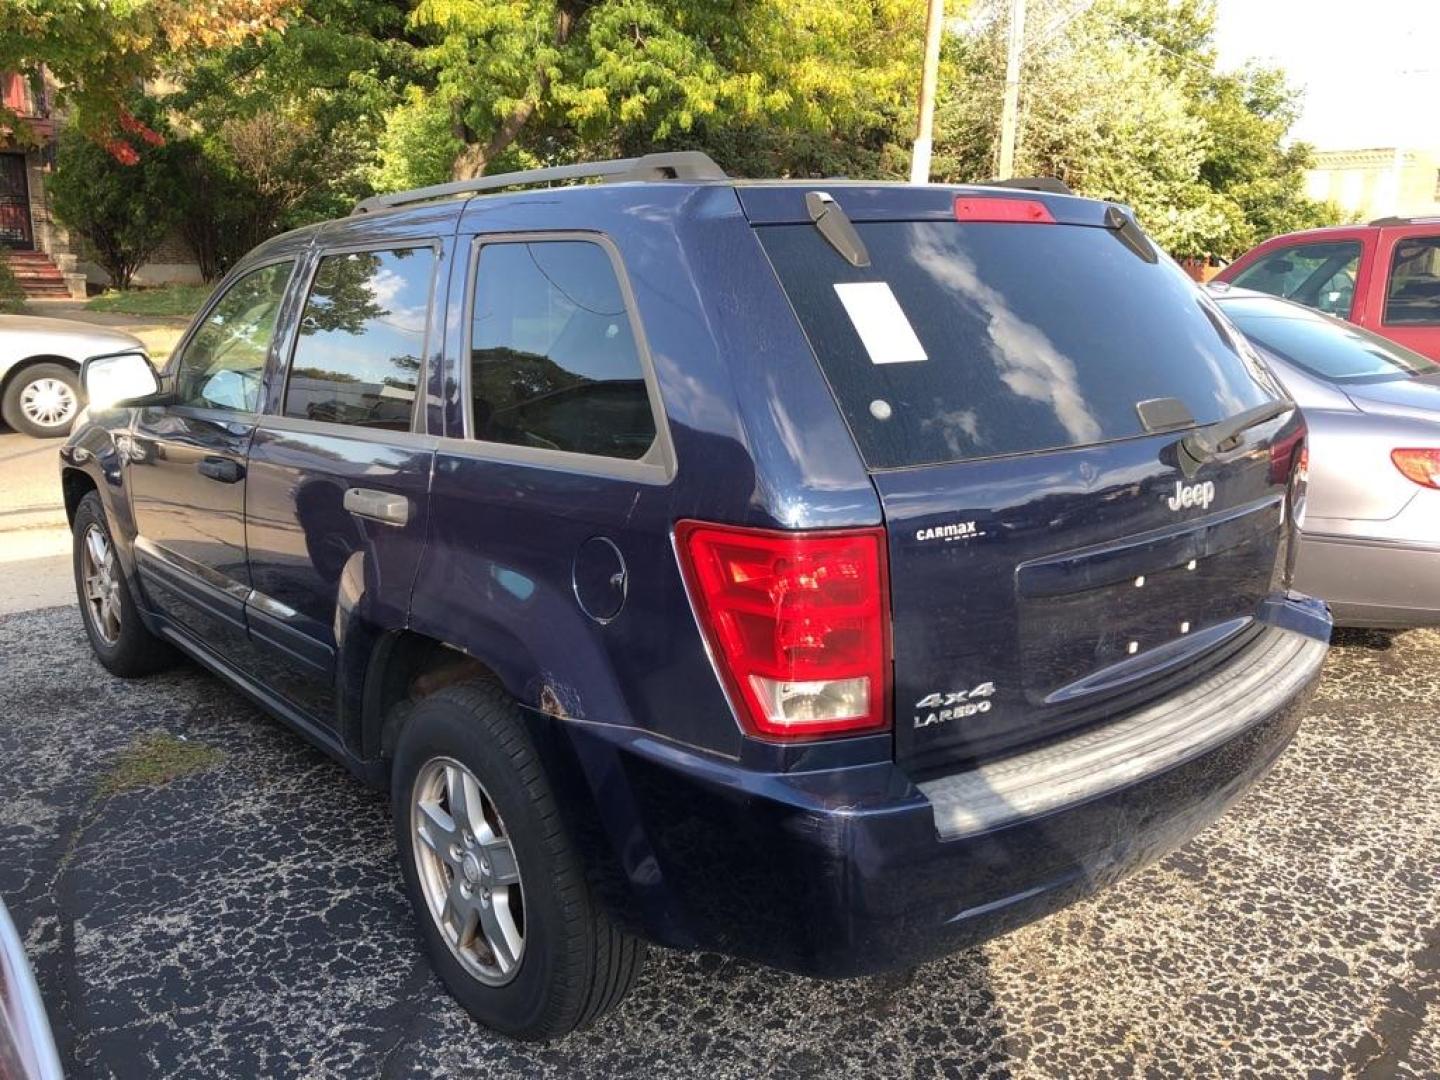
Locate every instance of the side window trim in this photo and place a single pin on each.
(237, 274)
(657, 466)
(275, 403)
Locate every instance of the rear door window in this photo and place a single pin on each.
(982, 339)
(1413, 296)
(553, 358)
(1321, 276)
(361, 345)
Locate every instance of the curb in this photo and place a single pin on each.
(33, 517)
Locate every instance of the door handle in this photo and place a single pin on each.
(382, 506)
(222, 469)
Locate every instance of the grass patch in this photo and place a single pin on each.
(178, 301)
(154, 760)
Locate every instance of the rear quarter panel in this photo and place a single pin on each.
(756, 439)
(1355, 489)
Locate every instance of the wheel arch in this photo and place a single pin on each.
(75, 484)
(385, 674)
(404, 667)
(31, 361)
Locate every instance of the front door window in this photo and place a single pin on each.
(1321, 276)
(224, 363)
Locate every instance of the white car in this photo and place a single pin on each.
(40, 370)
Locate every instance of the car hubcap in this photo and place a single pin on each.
(467, 870)
(102, 584)
(48, 402)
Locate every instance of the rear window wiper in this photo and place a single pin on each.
(1204, 443)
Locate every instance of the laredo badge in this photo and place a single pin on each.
(953, 705)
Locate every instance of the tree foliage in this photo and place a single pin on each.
(97, 51)
(122, 209)
(516, 78)
(280, 129)
(1122, 100)
(282, 112)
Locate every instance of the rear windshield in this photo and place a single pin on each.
(982, 339)
(1327, 349)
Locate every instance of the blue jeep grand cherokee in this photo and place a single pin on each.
(828, 574)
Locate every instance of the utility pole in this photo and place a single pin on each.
(929, 76)
(1010, 110)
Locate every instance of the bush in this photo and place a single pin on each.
(12, 297)
(122, 210)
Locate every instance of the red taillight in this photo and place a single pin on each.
(1300, 485)
(989, 209)
(798, 623)
(1421, 466)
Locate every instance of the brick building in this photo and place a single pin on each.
(47, 259)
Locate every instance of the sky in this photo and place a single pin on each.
(1370, 68)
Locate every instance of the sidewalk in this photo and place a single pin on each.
(35, 570)
(35, 567)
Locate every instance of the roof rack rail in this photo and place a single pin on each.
(1392, 220)
(1051, 184)
(674, 165)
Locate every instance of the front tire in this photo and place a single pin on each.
(42, 401)
(496, 884)
(107, 607)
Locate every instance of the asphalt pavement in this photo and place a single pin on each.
(204, 895)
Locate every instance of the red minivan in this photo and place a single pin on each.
(1384, 276)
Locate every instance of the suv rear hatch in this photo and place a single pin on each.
(1051, 562)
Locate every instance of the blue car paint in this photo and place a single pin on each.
(818, 857)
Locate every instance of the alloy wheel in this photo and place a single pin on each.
(49, 403)
(467, 870)
(102, 584)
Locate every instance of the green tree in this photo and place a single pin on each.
(97, 51)
(123, 210)
(1122, 100)
(520, 80)
(281, 128)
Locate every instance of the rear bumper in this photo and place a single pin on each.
(1372, 582)
(854, 871)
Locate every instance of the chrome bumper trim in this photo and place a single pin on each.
(1258, 681)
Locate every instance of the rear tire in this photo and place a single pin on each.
(572, 964)
(107, 608)
(43, 400)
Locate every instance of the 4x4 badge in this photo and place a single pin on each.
(954, 704)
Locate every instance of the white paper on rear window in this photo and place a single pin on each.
(883, 328)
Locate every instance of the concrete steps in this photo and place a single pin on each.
(37, 274)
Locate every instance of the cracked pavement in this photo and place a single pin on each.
(246, 917)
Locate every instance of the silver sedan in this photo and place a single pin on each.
(1370, 542)
(40, 369)
(27, 1048)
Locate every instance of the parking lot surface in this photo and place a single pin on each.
(205, 895)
